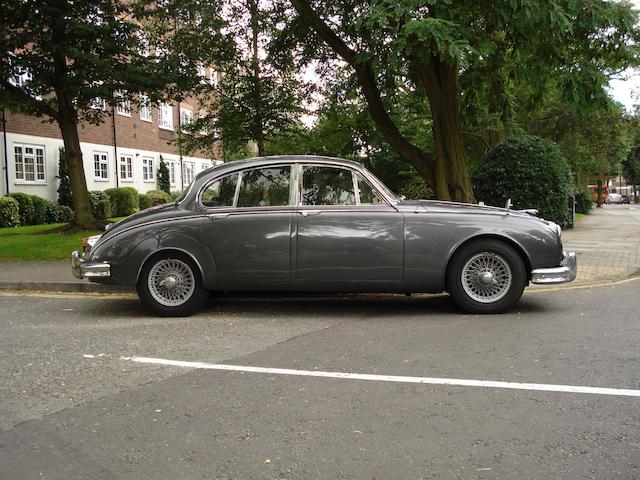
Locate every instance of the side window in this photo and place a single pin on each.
(220, 193)
(327, 186)
(265, 187)
(367, 195)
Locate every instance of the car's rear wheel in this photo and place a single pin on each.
(170, 284)
(486, 276)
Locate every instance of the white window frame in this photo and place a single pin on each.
(23, 155)
(123, 107)
(148, 173)
(101, 161)
(187, 167)
(204, 166)
(125, 161)
(171, 166)
(98, 103)
(145, 109)
(213, 77)
(165, 116)
(186, 116)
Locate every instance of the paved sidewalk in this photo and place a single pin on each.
(607, 242)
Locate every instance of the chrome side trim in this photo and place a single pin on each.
(566, 272)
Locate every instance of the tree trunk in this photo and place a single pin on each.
(497, 134)
(440, 80)
(258, 130)
(73, 155)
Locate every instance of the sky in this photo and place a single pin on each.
(627, 89)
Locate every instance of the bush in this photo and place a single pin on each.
(123, 201)
(100, 205)
(135, 194)
(65, 195)
(163, 177)
(416, 189)
(143, 201)
(25, 205)
(157, 197)
(175, 195)
(9, 212)
(65, 214)
(39, 210)
(529, 170)
(584, 202)
(52, 214)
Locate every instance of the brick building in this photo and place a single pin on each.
(122, 151)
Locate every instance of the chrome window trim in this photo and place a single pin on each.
(240, 172)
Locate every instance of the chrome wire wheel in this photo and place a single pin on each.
(486, 277)
(171, 282)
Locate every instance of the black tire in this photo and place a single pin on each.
(486, 276)
(190, 288)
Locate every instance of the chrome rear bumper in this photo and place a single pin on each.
(82, 269)
(565, 273)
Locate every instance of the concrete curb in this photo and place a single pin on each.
(63, 287)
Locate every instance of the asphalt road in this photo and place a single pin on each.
(71, 407)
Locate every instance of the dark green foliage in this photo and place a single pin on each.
(124, 201)
(100, 205)
(584, 202)
(175, 195)
(163, 177)
(65, 195)
(52, 213)
(530, 171)
(156, 197)
(9, 212)
(143, 201)
(39, 210)
(65, 214)
(416, 189)
(25, 205)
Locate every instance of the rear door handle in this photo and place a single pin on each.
(306, 213)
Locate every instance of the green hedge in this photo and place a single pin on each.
(65, 214)
(9, 212)
(100, 205)
(532, 172)
(25, 205)
(157, 197)
(124, 201)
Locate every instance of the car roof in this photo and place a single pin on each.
(262, 161)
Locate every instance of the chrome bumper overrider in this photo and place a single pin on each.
(82, 269)
(565, 273)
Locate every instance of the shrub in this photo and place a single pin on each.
(135, 194)
(25, 205)
(157, 197)
(100, 205)
(9, 212)
(65, 214)
(416, 189)
(163, 176)
(64, 188)
(529, 170)
(52, 214)
(123, 201)
(39, 210)
(175, 195)
(584, 202)
(143, 201)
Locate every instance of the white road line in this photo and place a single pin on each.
(389, 378)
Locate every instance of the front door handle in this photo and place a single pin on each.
(306, 213)
(213, 216)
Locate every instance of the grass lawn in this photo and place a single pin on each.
(579, 216)
(37, 242)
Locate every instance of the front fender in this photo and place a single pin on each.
(127, 251)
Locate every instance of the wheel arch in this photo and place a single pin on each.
(489, 236)
(164, 251)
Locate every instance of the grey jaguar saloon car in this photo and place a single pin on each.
(316, 224)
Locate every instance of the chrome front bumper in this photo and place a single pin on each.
(82, 269)
(567, 272)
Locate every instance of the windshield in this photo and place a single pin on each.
(184, 193)
(383, 187)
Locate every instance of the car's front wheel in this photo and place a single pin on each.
(486, 276)
(170, 284)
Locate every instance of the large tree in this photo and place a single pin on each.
(432, 46)
(61, 59)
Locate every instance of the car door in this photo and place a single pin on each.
(248, 226)
(346, 235)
